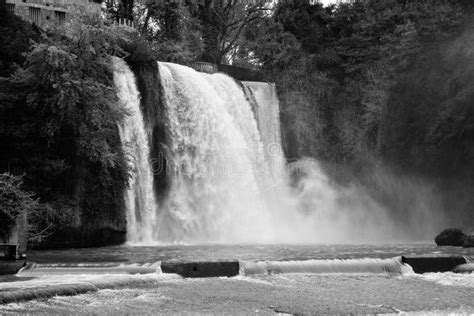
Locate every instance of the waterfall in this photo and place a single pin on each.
(263, 97)
(139, 197)
(226, 176)
(216, 159)
(225, 165)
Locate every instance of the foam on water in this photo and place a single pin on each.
(47, 286)
(354, 266)
(77, 278)
(465, 268)
(449, 278)
(32, 270)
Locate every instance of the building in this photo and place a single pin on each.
(42, 12)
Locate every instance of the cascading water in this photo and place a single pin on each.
(139, 197)
(216, 156)
(265, 103)
(225, 170)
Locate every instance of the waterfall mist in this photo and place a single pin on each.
(228, 178)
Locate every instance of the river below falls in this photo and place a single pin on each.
(293, 293)
(150, 254)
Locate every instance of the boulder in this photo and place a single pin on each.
(450, 237)
(468, 241)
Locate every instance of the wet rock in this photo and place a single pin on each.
(450, 237)
(468, 242)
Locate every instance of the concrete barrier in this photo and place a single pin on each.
(202, 269)
(426, 264)
(11, 267)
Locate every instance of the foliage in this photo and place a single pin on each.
(223, 23)
(374, 83)
(58, 119)
(185, 45)
(50, 218)
(15, 38)
(276, 48)
(171, 31)
(185, 31)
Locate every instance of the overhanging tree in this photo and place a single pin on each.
(223, 22)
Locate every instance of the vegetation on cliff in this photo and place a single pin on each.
(371, 85)
(58, 118)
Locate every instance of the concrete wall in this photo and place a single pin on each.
(43, 12)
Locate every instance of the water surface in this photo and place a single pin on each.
(134, 254)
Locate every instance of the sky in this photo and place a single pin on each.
(326, 2)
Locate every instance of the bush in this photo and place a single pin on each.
(58, 126)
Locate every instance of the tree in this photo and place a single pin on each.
(223, 23)
(58, 119)
(120, 9)
(171, 30)
(15, 38)
(207, 29)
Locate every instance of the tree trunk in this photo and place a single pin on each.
(210, 33)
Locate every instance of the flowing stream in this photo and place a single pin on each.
(139, 197)
(217, 162)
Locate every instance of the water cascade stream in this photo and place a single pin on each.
(139, 197)
(225, 169)
(216, 161)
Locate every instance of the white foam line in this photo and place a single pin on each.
(366, 265)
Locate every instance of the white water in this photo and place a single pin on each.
(139, 197)
(35, 270)
(228, 182)
(267, 114)
(358, 266)
(216, 159)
